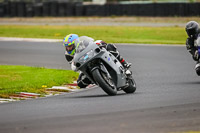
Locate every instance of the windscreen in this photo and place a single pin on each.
(82, 45)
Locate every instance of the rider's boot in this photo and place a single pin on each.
(126, 65)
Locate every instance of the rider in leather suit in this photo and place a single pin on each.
(70, 42)
(193, 32)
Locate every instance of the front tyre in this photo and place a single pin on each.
(132, 86)
(104, 82)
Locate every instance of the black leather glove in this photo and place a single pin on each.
(189, 43)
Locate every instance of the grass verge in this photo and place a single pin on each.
(15, 79)
(111, 34)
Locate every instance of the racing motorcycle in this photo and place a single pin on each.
(103, 69)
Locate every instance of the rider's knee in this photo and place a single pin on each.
(111, 47)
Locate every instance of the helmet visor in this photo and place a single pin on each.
(70, 48)
(191, 32)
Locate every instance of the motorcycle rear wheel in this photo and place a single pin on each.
(132, 86)
(104, 82)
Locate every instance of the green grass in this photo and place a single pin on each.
(111, 34)
(15, 79)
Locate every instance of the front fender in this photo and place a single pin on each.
(101, 67)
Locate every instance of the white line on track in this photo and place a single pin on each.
(60, 40)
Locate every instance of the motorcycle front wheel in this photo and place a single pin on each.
(105, 82)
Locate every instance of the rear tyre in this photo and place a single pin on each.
(104, 82)
(132, 86)
(197, 68)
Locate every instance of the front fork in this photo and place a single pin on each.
(99, 65)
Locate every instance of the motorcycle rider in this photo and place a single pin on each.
(193, 32)
(70, 42)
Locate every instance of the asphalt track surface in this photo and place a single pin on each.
(167, 98)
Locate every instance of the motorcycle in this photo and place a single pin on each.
(102, 68)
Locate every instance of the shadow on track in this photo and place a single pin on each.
(96, 96)
(103, 95)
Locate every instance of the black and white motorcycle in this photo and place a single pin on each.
(103, 69)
